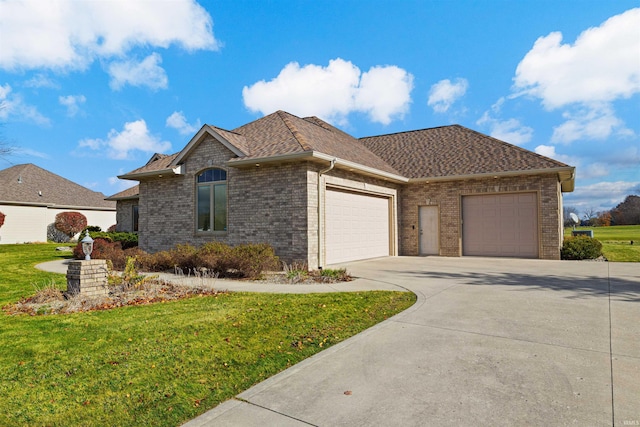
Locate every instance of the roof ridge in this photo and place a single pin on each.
(225, 130)
(517, 147)
(302, 140)
(411, 131)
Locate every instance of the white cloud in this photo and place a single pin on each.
(595, 122)
(601, 66)
(333, 92)
(550, 151)
(144, 73)
(28, 152)
(510, 130)
(600, 196)
(70, 34)
(13, 107)
(384, 92)
(120, 184)
(72, 103)
(178, 121)
(585, 77)
(444, 93)
(134, 136)
(41, 81)
(594, 170)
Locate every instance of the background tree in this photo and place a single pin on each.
(603, 219)
(627, 212)
(590, 215)
(70, 223)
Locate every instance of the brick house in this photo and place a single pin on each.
(319, 195)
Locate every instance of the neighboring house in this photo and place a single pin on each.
(319, 195)
(31, 197)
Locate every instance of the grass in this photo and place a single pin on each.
(160, 364)
(616, 241)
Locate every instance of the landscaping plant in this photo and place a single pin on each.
(158, 364)
(70, 223)
(581, 247)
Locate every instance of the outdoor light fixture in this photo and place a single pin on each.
(87, 246)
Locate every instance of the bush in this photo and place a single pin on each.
(104, 249)
(251, 260)
(244, 261)
(70, 223)
(127, 240)
(581, 247)
(2, 217)
(112, 228)
(215, 256)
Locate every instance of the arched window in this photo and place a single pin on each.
(211, 200)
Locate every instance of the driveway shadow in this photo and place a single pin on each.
(578, 287)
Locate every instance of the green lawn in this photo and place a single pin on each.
(159, 364)
(616, 241)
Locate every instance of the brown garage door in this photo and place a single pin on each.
(503, 225)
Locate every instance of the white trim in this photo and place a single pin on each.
(206, 130)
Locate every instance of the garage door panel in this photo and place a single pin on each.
(356, 226)
(500, 225)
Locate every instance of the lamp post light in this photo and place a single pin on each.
(87, 246)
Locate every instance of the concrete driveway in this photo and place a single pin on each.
(490, 342)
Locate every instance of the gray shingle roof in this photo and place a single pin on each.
(447, 151)
(129, 193)
(453, 151)
(157, 162)
(30, 184)
(283, 133)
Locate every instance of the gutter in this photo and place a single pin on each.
(153, 174)
(314, 155)
(332, 164)
(566, 176)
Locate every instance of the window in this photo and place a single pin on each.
(134, 216)
(211, 199)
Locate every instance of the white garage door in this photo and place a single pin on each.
(356, 226)
(500, 225)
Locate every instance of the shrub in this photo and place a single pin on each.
(581, 247)
(250, 260)
(127, 240)
(112, 228)
(337, 274)
(70, 223)
(2, 217)
(184, 256)
(215, 256)
(104, 249)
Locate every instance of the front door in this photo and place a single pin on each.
(429, 230)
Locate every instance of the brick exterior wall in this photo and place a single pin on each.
(448, 196)
(278, 204)
(124, 215)
(265, 204)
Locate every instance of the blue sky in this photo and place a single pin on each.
(91, 89)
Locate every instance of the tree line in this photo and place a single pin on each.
(626, 213)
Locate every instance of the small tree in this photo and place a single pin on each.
(70, 223)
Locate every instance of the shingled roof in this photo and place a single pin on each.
(29, 184)
(281, 133)
(436, 153)
(128, 194)
(451, 151)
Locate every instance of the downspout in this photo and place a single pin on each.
(320, 218)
